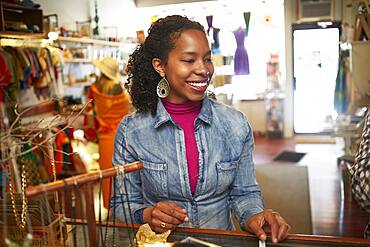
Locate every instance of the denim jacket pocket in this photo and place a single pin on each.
(226, 172)
(154, 178)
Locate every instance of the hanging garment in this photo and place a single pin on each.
(213, 35)
(209, 19)
(340, 93)
(12, 64)
(241, 60)
(216, 44)
(109, 110)
(63, 152)
(247, 16)
(5, 76)
(57, 61)
(41, 86)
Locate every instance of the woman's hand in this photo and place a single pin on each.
(165, 216)
(268, 221)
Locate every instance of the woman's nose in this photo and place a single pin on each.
(203, 70)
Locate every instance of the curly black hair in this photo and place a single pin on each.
(142, 78)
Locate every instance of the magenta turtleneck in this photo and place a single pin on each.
(184, 115)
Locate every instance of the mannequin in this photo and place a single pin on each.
(111, 103)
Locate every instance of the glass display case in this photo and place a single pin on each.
(121, 235)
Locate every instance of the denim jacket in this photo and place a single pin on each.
(226, 181)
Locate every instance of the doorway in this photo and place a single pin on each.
(315, 62)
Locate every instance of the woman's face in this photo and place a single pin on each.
(189, 67)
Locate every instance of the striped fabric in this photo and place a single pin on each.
(360, 172)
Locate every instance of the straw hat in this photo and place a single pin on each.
(109, 67)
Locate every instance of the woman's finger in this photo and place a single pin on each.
(174, 210)
(284, 228)
(163, 216)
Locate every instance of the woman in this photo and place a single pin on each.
(197, 153)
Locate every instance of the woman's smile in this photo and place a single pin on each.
(199, 86)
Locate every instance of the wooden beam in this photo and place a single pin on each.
(82, 179)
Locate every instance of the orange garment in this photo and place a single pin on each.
(109, 109)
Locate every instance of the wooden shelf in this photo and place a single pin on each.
(78, 60)
(70, 84)
(18, 35)
(90, 41)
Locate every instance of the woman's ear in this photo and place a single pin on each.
(158, 66)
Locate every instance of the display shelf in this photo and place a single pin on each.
(90, 41)
(84, 83)
(79, 53)
(16, 14)
(274, 99)
(77, 60)
(21, 36)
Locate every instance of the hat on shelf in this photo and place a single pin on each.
(109, 67)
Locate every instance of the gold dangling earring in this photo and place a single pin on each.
(163, 88)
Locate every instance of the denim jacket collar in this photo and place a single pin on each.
(162, 116)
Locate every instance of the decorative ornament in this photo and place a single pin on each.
(96, 19)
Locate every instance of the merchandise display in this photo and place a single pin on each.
(274, 99)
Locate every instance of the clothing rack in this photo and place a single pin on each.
(86, 180)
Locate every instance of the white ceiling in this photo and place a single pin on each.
(151, 3)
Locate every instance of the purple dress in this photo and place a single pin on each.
(241, 60)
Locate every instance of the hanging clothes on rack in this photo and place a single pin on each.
(12, 65)
(32, 67)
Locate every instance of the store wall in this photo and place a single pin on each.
(68, 11)
(117, 17)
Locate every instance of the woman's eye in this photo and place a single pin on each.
(188, 60)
